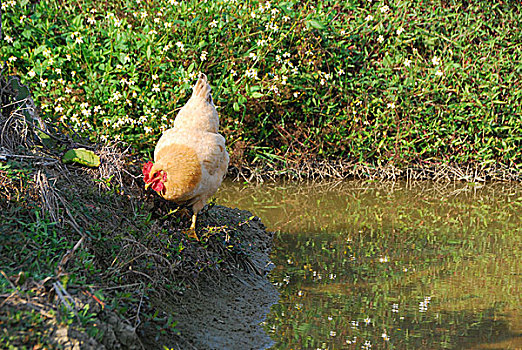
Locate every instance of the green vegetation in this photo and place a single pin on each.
(86, 254)
(418, 84)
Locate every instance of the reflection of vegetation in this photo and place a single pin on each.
(394, 266)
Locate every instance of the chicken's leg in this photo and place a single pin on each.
(196, 207)
(191, 232)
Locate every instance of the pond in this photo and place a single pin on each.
(381, 265)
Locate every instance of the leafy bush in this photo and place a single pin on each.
(381, 82)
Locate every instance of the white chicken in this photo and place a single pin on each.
(190, 159)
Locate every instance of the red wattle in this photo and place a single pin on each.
(158, 186)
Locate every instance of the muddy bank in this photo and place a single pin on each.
(220, 308)
(223, 309)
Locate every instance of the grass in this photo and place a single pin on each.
(405, 85)
(86, 252)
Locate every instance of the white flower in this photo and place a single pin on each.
(180, 46)
(333, 333)
(155, 88)
(439, 73)
(251, 73)
(340, 72)
(369, 18)
(8, 39)
(253, 56)
(12, 59)
(367, 320)
(384, 8)
(154, 76)
(391, 105)
(435, 60)
(91, 20)
(407, 62)
(272, 26)
(117, 22)
(148, 130)
(233, 72)
(79, 40)
(286, 18)
(58, 109)
(115, 96)
(43, 82)
(380, 39)
(395, 308)
(213, 24)
(400, 30)
(385, 337)
(203, 56)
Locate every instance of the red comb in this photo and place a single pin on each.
(146, 171)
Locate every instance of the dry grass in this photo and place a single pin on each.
(340, 170)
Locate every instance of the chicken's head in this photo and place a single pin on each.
(154, 178)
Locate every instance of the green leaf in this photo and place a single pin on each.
(315, 24)
(47, 140)
(257, 95)
(82, 156)
(22, 91)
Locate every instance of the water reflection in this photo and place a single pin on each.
(365, 265)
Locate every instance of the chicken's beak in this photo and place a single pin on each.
(147, 185)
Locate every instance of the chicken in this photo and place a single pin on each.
(190, 159)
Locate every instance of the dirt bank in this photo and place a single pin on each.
(90, 260)
(223, 309)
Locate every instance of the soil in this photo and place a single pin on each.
(219, 309)
(224, 310)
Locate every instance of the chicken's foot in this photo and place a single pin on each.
(191, 232)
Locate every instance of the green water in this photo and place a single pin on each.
(377, 265)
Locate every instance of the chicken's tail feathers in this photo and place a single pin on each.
(202, 89)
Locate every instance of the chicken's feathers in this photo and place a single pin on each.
(202, 89)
